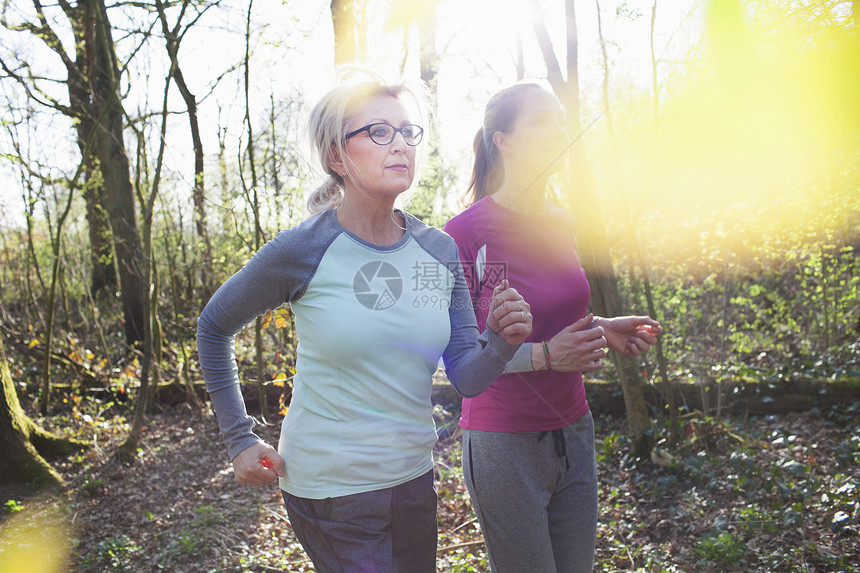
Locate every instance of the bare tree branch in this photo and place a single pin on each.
(42, 98)
(553, 69)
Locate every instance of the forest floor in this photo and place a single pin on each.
(757, 494)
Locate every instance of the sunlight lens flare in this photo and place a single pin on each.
(34, 539)
(761, 139)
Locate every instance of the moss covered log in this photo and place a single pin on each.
(23, 443)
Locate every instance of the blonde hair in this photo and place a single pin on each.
(331, 119)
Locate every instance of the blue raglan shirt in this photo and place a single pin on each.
(372, 323)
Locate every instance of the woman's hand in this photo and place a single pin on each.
(509, 315)
(259, 464)
(630, 335)
(576, 348)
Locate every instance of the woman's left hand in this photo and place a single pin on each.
(630, 335)
(510, 315)
(259, 464)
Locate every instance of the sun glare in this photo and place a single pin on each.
(761, 142)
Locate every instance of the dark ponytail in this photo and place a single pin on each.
(487, 172)
(499, 115)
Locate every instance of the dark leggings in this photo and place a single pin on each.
(391, 530)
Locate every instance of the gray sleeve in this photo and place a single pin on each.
(277, 273)
(522, 360)
(472, 364)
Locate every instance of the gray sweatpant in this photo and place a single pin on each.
(536, 514)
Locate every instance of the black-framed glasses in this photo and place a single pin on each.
(383, 133)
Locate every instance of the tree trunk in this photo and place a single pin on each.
(56, 266)
(226, 190)
(110, 149)
(104, 279)
(32, 263)
(405, 15)
(655, 85)
(259, 239)
(274, 160)
(428, 56)
(343, 20)
(172, 38)
(360, 23)
(175, 297)
(668, 388)
(92, 82)
(424, 199)
(591, 230)
(151, 326)
(199, 186)
(605, 84)
(22, 442)
(94, 104)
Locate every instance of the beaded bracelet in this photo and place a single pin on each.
(546, 354)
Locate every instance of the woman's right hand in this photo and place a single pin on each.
(509, 317)
(576, 348)
(259, 464)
